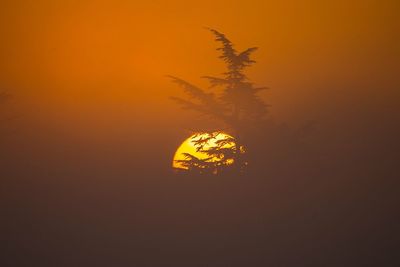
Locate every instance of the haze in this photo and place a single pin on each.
(88, 132)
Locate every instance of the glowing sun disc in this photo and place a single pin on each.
(188, 147)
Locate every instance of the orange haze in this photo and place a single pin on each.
(88, 135)
(74, 57)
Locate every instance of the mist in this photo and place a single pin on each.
(88, 134)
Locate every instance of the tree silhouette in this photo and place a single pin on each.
(237, 105)
(220, 153)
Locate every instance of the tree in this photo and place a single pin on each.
(237, 105)
(219, 151)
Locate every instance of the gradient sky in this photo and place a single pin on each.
(71, 64)
(88, 137)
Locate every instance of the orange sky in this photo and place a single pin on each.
(97, 61)
(88, 138)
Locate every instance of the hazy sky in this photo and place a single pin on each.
(74, 62)
(88, 137)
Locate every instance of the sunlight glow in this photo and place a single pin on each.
(188, 146)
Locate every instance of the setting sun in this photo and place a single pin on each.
(199, 133)
(202, 150)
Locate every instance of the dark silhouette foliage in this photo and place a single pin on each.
(236, 104)
(220, 153)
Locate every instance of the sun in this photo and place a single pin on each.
(205, 151)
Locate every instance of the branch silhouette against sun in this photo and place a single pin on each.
(217, 152)
(233, 100)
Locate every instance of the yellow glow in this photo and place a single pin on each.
(188, 146)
